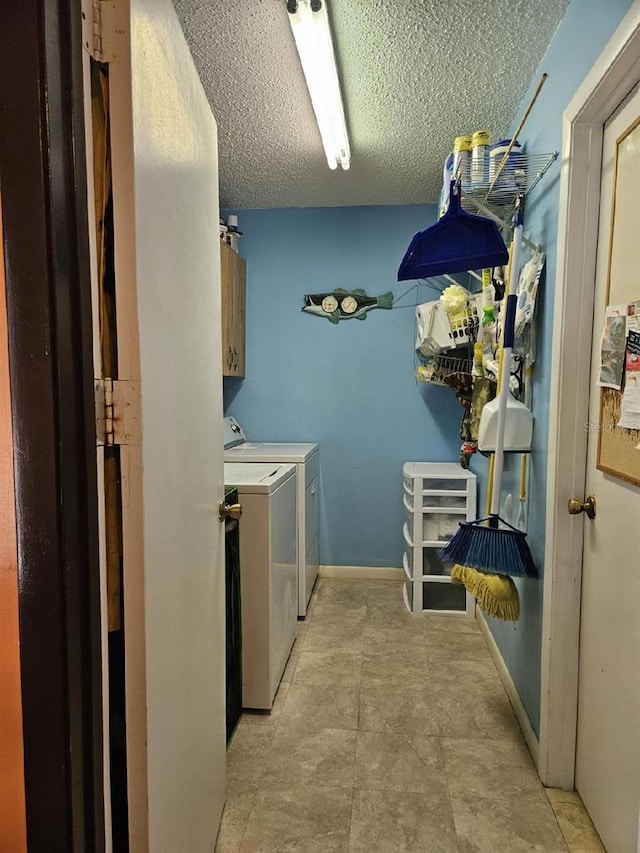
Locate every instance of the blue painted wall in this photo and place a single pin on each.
(581, 37)
(348, 386)
(351, 387)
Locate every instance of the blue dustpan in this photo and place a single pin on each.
(458, 241)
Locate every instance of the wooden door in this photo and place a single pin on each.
(608, 745)
(167, 300)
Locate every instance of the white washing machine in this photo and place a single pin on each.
(306, 457)
(268, 574)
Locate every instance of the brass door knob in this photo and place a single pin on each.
(588, 506)
(226, 510)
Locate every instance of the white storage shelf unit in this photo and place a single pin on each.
(437, 497)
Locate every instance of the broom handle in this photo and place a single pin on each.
(514, 138)
(509, 327)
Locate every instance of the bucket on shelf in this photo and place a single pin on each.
(509, 178)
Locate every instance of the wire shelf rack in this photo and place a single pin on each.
(437, 368)
(519, 176)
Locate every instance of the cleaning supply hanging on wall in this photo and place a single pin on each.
(497, 547)
(341, 304)
(524, 339)
(497, 595)
(459, 241)
(519, 420)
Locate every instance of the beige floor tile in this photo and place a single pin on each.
(390, 611)
(392, 711)
(394, 822)
(340, 669)
(407, 710)
(390, 593)
(300, 635)
(393, 639)
(490, 768)
(330, 607)
(335, 632)
(449, 624)
(447, 645)
(374, 584)
(313, 707)
(290, 667)
(345, 592)
(558, 795)
(235, 818)
(324, 757)
(391, 603)
(392, 761)
(395, 668)
(478, 677)
(299, 819)
(463, 712)
(248, 752)
(516, 824)
(577, 828)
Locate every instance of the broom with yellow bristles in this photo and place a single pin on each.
(497, 595)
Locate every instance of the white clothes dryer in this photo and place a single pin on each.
(268, 574)
(306, 457)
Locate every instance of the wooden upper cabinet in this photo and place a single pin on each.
(233, 290)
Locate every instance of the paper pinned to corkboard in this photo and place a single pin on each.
(619, 427)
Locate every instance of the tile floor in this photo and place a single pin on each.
(390, 734)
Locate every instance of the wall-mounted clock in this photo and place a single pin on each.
(329, 304)
(349, 304)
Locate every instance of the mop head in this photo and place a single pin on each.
(497, 595)
(493, 549)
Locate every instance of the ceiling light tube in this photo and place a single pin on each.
(313, 39)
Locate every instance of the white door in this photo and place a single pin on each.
(608, 746)
(167, 283)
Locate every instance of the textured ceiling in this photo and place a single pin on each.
(415, 74)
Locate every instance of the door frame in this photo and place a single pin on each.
(46, 249)
(613, 75)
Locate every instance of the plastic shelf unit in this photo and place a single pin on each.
(437, 497)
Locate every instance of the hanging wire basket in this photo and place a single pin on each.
(519, 176)
(437, 368)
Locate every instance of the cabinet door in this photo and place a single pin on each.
(240, 310)
(232, 268)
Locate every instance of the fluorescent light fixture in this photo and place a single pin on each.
(310, 25)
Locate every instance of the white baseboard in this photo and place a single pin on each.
(509, 686)
(361, 573)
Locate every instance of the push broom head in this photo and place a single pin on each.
(495, 549)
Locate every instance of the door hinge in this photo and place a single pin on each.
(104, 24)
(117, 404)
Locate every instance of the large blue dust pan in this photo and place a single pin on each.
(457, 242)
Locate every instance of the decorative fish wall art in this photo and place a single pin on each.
(343, 304)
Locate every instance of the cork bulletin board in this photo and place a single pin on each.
(619, 439)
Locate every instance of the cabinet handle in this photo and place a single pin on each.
(230, 362)
(235, 357)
